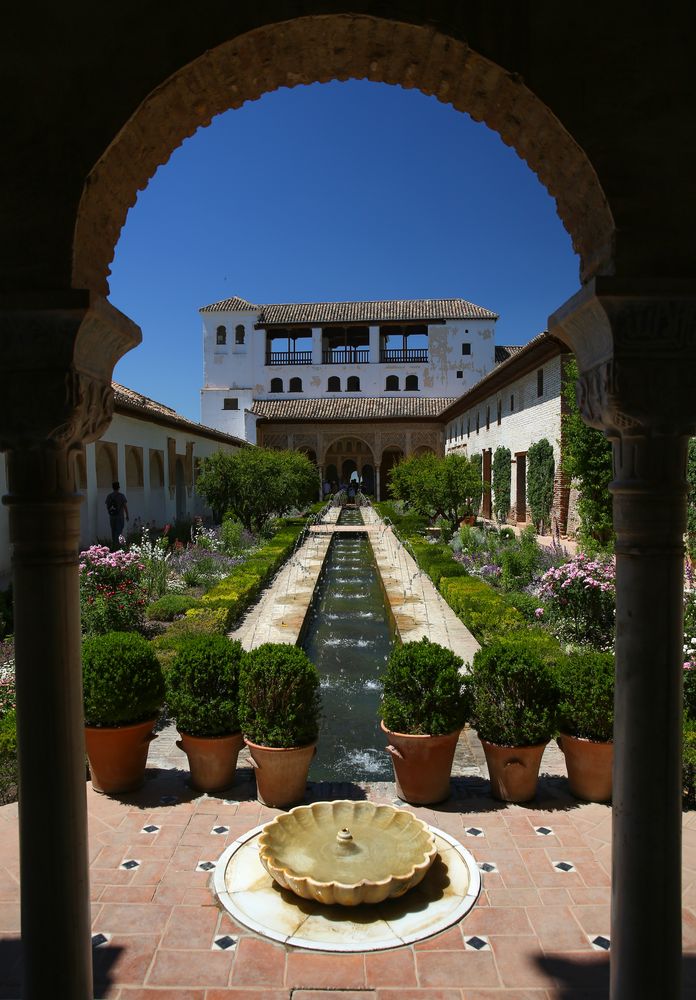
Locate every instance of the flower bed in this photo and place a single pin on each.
(112, 596)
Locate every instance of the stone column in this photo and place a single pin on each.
(55, 394)
(378, 494)
(637, 357)
(321, 482)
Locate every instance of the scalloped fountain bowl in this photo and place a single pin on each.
(347, 852)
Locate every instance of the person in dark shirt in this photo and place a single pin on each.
(117, 509)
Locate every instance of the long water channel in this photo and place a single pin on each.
(348, 636)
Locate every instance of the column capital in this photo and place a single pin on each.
(55, 375)
(636, 350)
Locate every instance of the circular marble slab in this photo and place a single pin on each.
(253, 899)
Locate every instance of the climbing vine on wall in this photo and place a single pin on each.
(691, 507)
(502, 471)
(540, 473)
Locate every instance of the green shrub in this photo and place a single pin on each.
(279, 702)
(233, 595)
(485, 613)
(6, 613)
(586, 706)
(526, 604)
(8, 758)
(122, 679)
(203, 686)
(424, 691)
(502, 478)
(540, 474)
(169, 607)
(514, 694)
(436, 560)
(520, 560)
(689, 764)
(690, 692)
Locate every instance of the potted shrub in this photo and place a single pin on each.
(279, 709)
(424, 706)
(202, 691)
(123, 689)
(514, 700)
(586, 723)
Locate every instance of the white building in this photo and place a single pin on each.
(328, 350)
(517, 404)
(153, 452)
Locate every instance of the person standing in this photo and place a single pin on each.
(117, 509)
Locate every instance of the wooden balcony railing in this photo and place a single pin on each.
(419, 354)
(347, 356)
(289, 358)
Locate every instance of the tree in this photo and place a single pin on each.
(502, 472)
(256, 483)
(449, 487)
(587, 459)
(540, 473)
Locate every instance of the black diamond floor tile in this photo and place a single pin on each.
(221, 829)
(601, 942)
(474, 831)
(150, 829)
(130, 864)
(205, 866)
(564, 866)
(486, 866)
(223, 943)
(545, 831)
(477, 943)
(98, 939)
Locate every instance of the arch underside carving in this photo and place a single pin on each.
(321, 48)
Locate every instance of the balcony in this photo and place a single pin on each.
(347, 356)
(419, 354)
(288, 357)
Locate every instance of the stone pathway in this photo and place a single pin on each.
(538, 932)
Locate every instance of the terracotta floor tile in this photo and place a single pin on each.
(169, 895)
(526, 896)
(190, 927)
(496, 920)
(134, 918)
(593, 874)
(258, 963)
(330, 995)
(190, 968)
(456, 968)
(517, 961)
(248, 995)
(593, 919)
(554, 896)
(449, 940)
(505, 994)
(589, 971)
(10, 922)
(421, 994)
(127, 893)
(143, 993)
(552, 878)
(313, 971)
(590, 895)
(557, 928)
(391, 968)
(125, 959)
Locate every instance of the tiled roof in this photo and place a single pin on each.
(381, 311)
(352, 408)
(234, 304)
(503, 353)
(128, 399)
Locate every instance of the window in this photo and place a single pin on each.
(334, 384)
(512, 403)
(231, 403)
(466, 348)
(353, 384)
(392, 384)
(221, 335)
(488, 418)
(295, 385)
(411, 382)
(540, 382)
(500, 412)
(276, 385)
(239, 334)
(460, 374)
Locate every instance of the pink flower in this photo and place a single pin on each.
(539, 612)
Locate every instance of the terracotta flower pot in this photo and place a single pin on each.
(212, 759)
(281, 773)
(422, 765)
(513, 771)
(589, 767)
(118, 755)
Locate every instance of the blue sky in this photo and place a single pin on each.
(331, 192)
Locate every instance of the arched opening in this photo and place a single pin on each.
(239, 334)
(368, 479)
(276, 385)
(333, 384)
(295, 385)
(390, 457)
(221, 336)
(411, 383)
(353, 384)
(392, 383)
(181, 500)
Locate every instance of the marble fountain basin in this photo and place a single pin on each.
(347, 852)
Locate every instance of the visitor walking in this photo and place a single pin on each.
(117, 509)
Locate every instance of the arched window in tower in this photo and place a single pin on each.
(221, 335)
(353, 384)
(411, 382)
(295, 385)
(334, 384)
(392, 384)
(276, 385)
(239, 334)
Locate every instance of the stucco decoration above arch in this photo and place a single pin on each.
(347, 435)
(318, 49)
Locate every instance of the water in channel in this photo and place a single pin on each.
(348, 636)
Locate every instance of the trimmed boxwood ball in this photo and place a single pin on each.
(122, 679)
(586, 707)
(169, 606)
(514, 694)
(203, 686)
(423, 690)
(279, 701)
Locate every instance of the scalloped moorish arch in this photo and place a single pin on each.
(318, 49)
